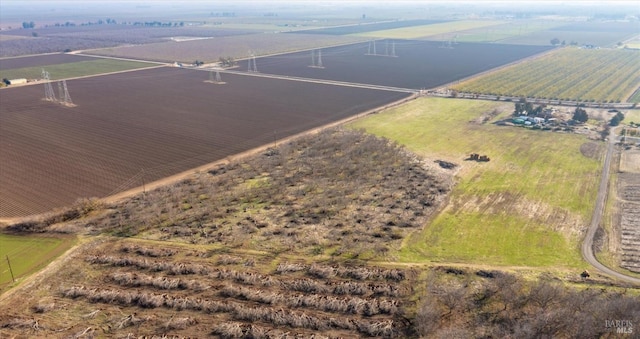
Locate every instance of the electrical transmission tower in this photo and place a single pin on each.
(319, 65)
(49, 95)
(67, 99)
(387, 53)
(447, 43)
(316, 63)
(372, 46)
(215, 79)
(60, 90)
(252, 64)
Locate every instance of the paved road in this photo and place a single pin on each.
(587, 245)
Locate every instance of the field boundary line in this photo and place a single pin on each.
(323, 81)
(120, 58)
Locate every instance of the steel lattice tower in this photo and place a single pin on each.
(49, 95)
(67, 98)
(320, 59)
(252, 64)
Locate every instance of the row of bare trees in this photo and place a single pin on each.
(239, 311)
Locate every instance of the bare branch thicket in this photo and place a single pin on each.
(165, 283)
(503, 305)
(147, 252)
(322, 183)
(238, 311)
(154, 266)
(350, 305)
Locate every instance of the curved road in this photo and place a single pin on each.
(587, 245)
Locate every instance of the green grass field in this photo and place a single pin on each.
(631, 115)
(74, 69)
(525, 207)
(28, 254)
(635, 97)
(430, 30)
(566, 74)
(520, 30)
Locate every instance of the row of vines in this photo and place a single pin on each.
(585, 75)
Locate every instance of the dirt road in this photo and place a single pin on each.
(587, 245)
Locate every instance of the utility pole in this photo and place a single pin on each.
(144, 190)
(10, 270)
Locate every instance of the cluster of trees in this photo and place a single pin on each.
(158, 24)
(107, 21)
(358, 193)
(29, 24)
(556, 42)
(224, 14)
(227, 61)
(522, 107)
(615, 121)
(580, 115)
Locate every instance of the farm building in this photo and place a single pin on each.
(17, 81)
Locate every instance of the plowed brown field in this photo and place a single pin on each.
(132, 128)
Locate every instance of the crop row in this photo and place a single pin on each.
(147, 252)
(352, 305)
(357, 273)
(238, 311)
(567, 74)
(234, 329)
(255, 279)
(165, 283)
(169, 267)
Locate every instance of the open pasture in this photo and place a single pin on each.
(27, 254)
(241, 46)
(566, 74)
(63, 68)
(40, 61)
(127, 129)
(448, 28)
(417, 64)
(527, 206)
